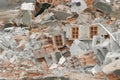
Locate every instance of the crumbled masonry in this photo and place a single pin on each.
(60, 40)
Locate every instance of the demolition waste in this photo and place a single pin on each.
(61, 40)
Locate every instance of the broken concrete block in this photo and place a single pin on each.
(115, 45)
(59, 15)
(97, 40)
(101, 47)
(99, 53)
(103, 7)
(48, 16)
(78, 47)
(53, 66)
(96, 69)
(78, 6)
(26, 19)
(111, 67)
(27, 6)
(54, 59)
(111, 57)
(62, 60)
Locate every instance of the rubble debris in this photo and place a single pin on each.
(60, 40)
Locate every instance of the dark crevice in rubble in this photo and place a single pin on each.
(43, 7)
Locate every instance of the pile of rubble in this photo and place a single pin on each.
(66, 40)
